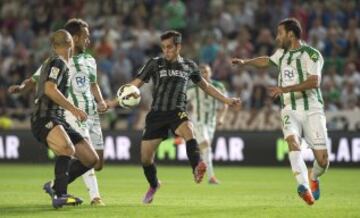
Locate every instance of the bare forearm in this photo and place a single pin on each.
(211, 90)
(258, 62)
(55, 95)
(222, 112)
(306, 85)
(95, 90)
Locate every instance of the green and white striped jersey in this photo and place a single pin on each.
(295, 66)
(204, 106)
(82, 72)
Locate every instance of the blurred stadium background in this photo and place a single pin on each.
(125, 33)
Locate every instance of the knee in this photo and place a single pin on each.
(293, 143)
(98, 166)
(69, 150)
(145, 161)
(324, 163)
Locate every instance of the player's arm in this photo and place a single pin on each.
(26, 86)
(95, 90)
(51, 90)
(212, 91)
(312, 82)
(221, 112)
(259, 62)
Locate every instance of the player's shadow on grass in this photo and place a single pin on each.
(30, 209)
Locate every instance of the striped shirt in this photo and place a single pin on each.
(204, 106)
(55, 70)
(295, 66)
(82, 73)
(170, 81)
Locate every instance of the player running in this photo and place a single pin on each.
(206, 115)
(302, 106)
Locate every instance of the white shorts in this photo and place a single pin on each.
(203, 132)
(90, 129)
(311, 123)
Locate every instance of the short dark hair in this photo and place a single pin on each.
(172, 34)
(292, 24)
(74, 25)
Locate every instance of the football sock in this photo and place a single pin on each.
(150, 174)
(192, 151)
(317, 170)
(206, 155)
(61, 174)
(299, 168)
(91, 183)
(76, 169)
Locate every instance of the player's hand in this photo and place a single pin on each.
(237, 61)
(102, 107)
(112, 103)
(79, 114)
(275, 91)
(233, 102)
(14, 89)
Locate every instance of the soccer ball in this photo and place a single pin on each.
(128, 96)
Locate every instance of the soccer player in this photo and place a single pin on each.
(83, 87)
(170, 75)
(302, 106)
(49, 126)
(206, 114)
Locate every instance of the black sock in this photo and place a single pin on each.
(61, 174)
(150, 174)
(193, 153)
(76, 169)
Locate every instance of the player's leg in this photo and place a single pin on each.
(185, 130)
(59, 142)
(89, 177)
(210, 168)
(316, 136)
(148, 148)
(292, 134)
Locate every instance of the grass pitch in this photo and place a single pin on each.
(244, 192)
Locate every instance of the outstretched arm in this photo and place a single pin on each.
(211, 90)
(26, 86)
(114, 102)
(258, 62)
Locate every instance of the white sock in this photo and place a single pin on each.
(299, 168)
(91, 183)
(317, 170)
(207, 158)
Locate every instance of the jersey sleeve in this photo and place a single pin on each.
(275, 58)
(195, 74)
(56, 68)
(92, 71)
(314, 63)
(147, 70)
(35, 77)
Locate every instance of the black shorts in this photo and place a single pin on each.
(41, 127)
(158, 123)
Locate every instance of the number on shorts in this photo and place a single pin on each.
(286, 120)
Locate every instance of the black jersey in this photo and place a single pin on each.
(170, 81)
(55, 70)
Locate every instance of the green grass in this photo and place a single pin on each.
(244, 192)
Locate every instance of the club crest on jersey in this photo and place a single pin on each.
(80, 82)
(54, 72)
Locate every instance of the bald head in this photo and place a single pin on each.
(61, 39)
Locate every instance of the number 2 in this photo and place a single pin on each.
(286, 120)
